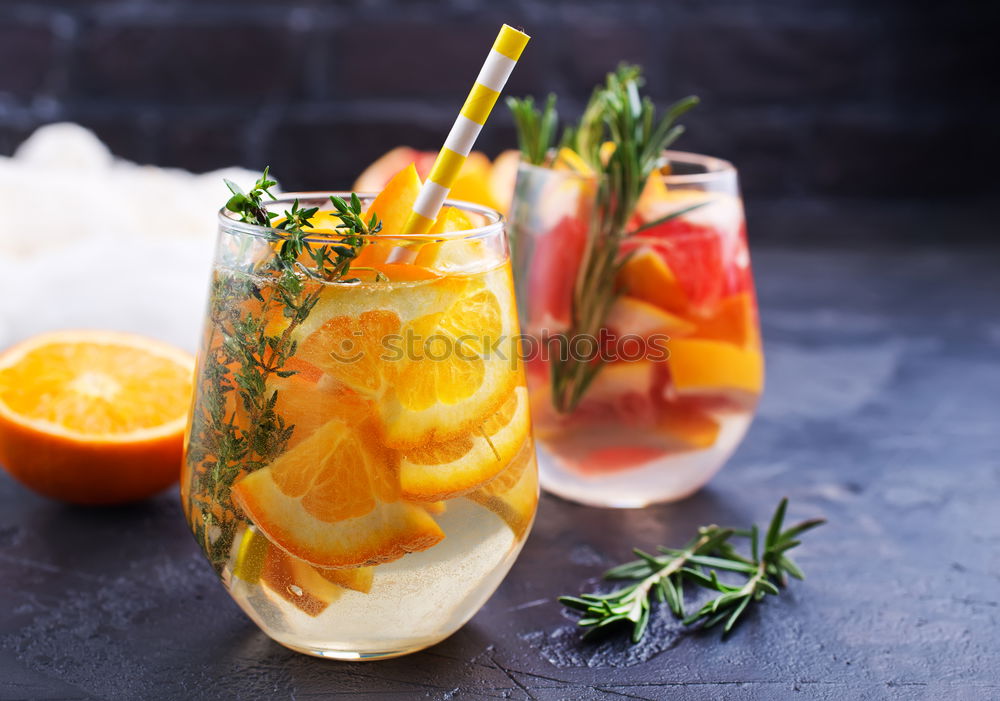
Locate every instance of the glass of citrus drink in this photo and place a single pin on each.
(359, 468)
(651, 404)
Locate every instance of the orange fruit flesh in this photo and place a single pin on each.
(334, 501)
(93, 417)
(96, 390)
(454, 380)
(513, 494)
(708, 367)
(393, 206)
(444, 470)
(645, 276)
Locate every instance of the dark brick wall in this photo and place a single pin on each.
(819, 102)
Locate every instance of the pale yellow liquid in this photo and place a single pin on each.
(414, 602)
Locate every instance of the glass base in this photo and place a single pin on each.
(342, 655)
(663, 480)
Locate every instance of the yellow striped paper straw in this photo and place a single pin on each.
(478, 105)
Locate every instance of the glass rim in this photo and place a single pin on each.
(495, 220)
(715, 168)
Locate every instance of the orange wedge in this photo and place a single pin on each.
(513, 494)
(462, 369)
(451, 219)
(705, 367)
(298, 582)
(734, 321)
(393, 206)
(645, 276)
(445, 470)
(448, 256)
(310, 589)
(333, 501)
(94, 417)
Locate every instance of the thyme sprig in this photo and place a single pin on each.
(237, 428)
(663, 577)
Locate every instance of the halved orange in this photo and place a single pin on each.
(445, 470)
(513, 494)
(334, 501)
(94, 417)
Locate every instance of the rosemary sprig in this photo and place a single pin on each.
(616, 112)
(237, 429)
(663, 577)
(536, 128)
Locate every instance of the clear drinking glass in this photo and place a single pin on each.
(678, 366)
(359, 467)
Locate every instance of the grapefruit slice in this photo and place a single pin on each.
(445, 470)
(629, 315)
(333, 501)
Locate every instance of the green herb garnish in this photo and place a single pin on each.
(236, 429)
(617, 113)
(664, 576)
(536, 128)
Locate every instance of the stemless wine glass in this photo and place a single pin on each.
(359, 467)
(650, 409)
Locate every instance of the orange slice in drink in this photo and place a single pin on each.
(94, 417)
(700, 367)
(393, 206)
(445, 470)
(513, 494)
(734, 321)
(462, 367)
(354, 333)
(645, 276)
(334, 501)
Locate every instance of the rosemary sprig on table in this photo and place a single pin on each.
(237, 429)
(662, 577)
(617, 113)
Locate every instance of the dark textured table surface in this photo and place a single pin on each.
(882, 413)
